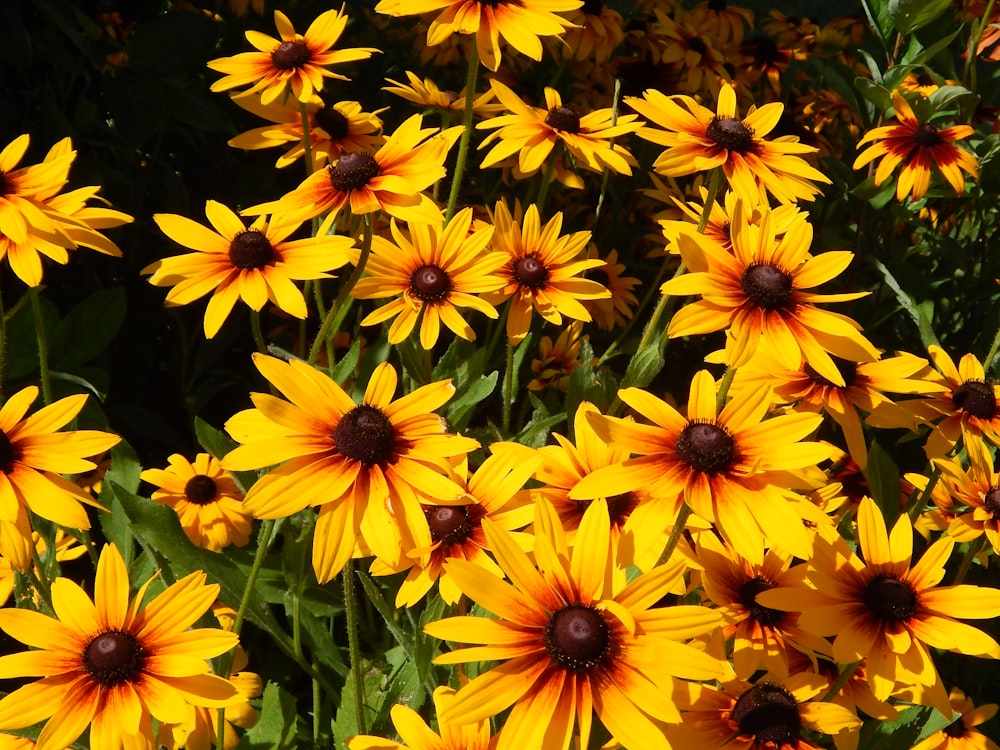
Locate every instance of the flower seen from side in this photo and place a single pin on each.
(616, 311)
(962, 734)
(425, 93)
(971, 496)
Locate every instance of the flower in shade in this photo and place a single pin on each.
(295, 62)
(205, 498)
(533, 132)
(917, 146)
(232, 261)
(885, 609)
(34, 456)
(543, 271)
(556, 361)
(111, 663)
(425, 93)
(519, 22)
(391, 179)
(698, 140)
(334, 129)
(616, 311)
(366, 466)
(962, 734)
(431, 274)
(730, 466)
(595, 35)
(760, 292)
(727, 23)
(570, 642)
(416, 735)
(971, 497)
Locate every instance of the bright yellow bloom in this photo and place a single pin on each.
(425, 93)
(20, 207)
(976, 488)
(962, 734)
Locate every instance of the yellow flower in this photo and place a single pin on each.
(962, 734)
(425, 93)
(557, 360)
(20, 207)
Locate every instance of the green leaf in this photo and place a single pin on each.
(347, 363)
(909, 15)
(536, 433)
(346, 724)
(644, 366)
(874, 92)
(124, 472)
(919, 313)
(88, 329)
(882, 476)
(475, 392)
(219, 444)
(275, 728)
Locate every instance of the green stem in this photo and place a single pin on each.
(340, 305)
(463, 144)
(550, 166)
(969, 75)
(354, 647)
(842, 679)
(43, 347)
(675, 534)
(727, 380)
(992, 355)
(258, 334)
(714, 185)
(611, 144)
(306, 138)
(975, 547)
(508, 386)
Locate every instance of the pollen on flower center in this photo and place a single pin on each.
(890, 599)
(926, 135)
(767, 286)
(114, 657)
(848, 371)
(366, 435)
(449, 524)
(8, 453)
(290, 54)
(977, 398)
(730, 133)
(333, 122)
(430, 283)
(531, 272)
(251, 249)
(577, 637)
(758, 612)
(563, 118)
(705, 447)
(992, 502)
(353, 171)
(200, 489)
(769, 713)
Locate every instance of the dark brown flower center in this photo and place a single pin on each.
(449, 524)
(251, 249)
(3, 183)
(353, 171)
(530, 271)
(890, 599)
(769, 713)
(563, 118)
(705, 447)
(200, 489)
(430, 283)
(718, 5)
(848, 371)
(767, 286)
(926, 135)
(730, 133)
(956, 729)
(333, 122)
(9, 453)
(593, 7)
(977, 398)
(114, 657)
(697, 44)
(992, 502)
(366, 435)
(577, 637)
(620, 507)
(758, 612)
(290, 55)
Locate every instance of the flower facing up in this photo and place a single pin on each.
(363, 465)
(730, 467)
(885, 609)
(431, 274)
(111, 663)
(917, 146)
(205, 498)
(34, 454)
(698, 140)
(962, 734)
(760, 292)
(570, 643)
(256, 264)
(298, 62)
(391, 179)
(532, 132)
(519, 22)
(542, 271)
(416, 735)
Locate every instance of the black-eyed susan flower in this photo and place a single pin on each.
(557, 359)
(596, 32)
(425, 93)
(962, 734)
(232, 261)
(34, 455)
(205, 498)
(616, 311)
(20, 208)
(391, 179)
(698, 140)
(519, 22)
(543, 270)
(334, 129)
(112, 663)
(726, 23)
(431, 272)
(886, 609)
(728, 466)
(295, 63)
(971, 495)
(701, 64)
(917, 146)
(531, 133)
(416, 735)
(569, 642)
(760, 292)
(366, 466)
